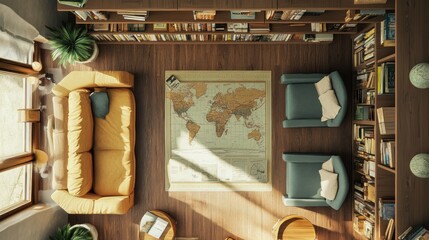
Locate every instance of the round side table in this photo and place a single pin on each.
(294, 227)
(170, 231)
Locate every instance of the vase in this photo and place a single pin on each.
(93, 56)
(90, 227)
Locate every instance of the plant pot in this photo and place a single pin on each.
(93, 56)
(90, 227)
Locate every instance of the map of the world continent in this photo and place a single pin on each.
(217, 132)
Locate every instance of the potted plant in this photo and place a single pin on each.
(72, 44)
(77, 232)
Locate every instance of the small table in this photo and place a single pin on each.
(294, 227)
(170, 231)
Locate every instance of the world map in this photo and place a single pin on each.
(229, 100)
(213, 127)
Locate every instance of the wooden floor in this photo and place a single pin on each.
(216, 215)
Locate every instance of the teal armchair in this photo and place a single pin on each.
(303, 180)
(303, 108)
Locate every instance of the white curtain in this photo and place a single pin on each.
(16, 36)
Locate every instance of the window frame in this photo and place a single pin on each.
(31, 133)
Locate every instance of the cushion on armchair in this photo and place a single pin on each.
(309, 106)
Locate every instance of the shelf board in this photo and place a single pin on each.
(364, 122)
(386, 168)
(208, 42)
(364, 104)
(389, 58)
(387, 136)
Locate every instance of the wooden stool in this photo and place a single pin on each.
(294, 227)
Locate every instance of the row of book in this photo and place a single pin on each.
(274, 15)
(386, 120)
(364, 113)
(363, 225)
(365, 166)
(386, 78)
(105, 27)
(415, 233)
(364, 46)
(364, 96)
(387, 36)
(73, 3)
(92, 15)
(204, 15)
(387, 153)
(192, 37)
(134, 15)
(364, 14)
(365, 78)
(170, 37)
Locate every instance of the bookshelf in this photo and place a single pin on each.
(296, 30)
(374, 147)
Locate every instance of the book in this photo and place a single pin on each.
(390, 230)
(160, 26)
(246, 15)
(153, 225)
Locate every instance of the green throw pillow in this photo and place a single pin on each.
(99, 104)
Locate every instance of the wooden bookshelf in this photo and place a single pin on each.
(384, 180)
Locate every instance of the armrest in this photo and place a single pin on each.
(341, 93)
(299, 202)
(301, 78)
(301, 123)
(343, 183)
(91, 79)
(305, 157)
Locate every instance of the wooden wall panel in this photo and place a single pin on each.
(331, 4)
(412, 105)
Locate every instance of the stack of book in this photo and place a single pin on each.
(387, 36)
(361, 15)
(247, 15)
(369, 45)
(386, 78)
(274, 15)
(358, 55)
(415, 233)
(73, 3)
(387, 150)
(386, 120)
(365, 78)
(134, 15)
(238, 27)
(364, 141)
(259, 27)
(204, 15)
(364, 112)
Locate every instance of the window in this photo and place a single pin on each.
(15, 143)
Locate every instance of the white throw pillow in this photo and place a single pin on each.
(330, 106)
(329, 184)
(328, 166)
(323, 85)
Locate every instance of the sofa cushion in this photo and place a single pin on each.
(302, 102)
(114, 172)
(329, 184)
(80, 122)
(79, 173)
(323, 85)
(330, 106)
(117, 130)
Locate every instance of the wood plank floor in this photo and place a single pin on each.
(216, 215)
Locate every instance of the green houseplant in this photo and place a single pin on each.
(76, 232)
(72, 44)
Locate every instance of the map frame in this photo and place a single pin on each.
(254, 76)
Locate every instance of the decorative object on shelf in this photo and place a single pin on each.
(80, 231)
(419, 165)
(72, 44)
(419, 75)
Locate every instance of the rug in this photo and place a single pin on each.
(218, 131)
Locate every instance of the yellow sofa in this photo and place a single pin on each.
(94, 162)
